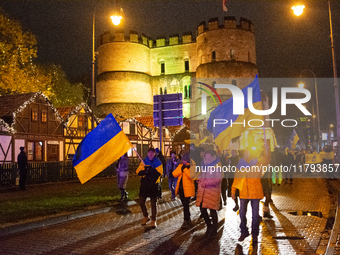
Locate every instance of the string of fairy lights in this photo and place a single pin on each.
(11, 127)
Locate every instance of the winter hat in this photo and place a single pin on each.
(186, 157)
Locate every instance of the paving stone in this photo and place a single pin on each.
(110, 233)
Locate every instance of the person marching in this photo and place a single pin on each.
(161, 157)
(185, 187)
(250, 187)
(209, 192)
(233, 161)
(171, 165)
(150, 170)
(122, 176)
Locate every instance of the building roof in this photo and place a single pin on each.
(12, 103)
(67, 111)
(15, 103)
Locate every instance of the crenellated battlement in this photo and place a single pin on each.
(175, 39)
(229, 23)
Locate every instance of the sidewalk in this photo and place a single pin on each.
(117, 230)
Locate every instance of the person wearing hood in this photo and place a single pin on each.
(209, 191)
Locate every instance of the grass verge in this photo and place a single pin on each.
(43, 200)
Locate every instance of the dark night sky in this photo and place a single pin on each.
(286, 44)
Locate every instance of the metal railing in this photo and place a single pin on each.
(42, 172)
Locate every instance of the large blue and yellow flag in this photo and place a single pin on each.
(100, 148)
(293, 139)
(223, 133)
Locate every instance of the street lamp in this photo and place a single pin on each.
(298, 9)
(336, 85)
(116, 19)
(317, 105)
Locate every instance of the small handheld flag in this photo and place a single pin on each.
(294, 138)
(100, 148)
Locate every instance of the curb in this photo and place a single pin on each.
(50, 221)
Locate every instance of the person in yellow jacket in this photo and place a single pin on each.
(248, 181)
(150, 171)
(185, 187)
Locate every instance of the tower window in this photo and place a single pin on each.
(213, 56)
(165, 91)
(232, 54)
(185, 92)
(160, 91)
(213, 84)
(163, 68)
(233, 82)
(186, 65)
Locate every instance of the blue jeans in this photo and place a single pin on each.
(172, 186)
(255, 205)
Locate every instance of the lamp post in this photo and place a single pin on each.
(116, 19)
(336, 85)
(317, 106)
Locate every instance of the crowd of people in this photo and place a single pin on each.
(211, 189)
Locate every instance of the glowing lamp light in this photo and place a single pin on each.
(331, 125)
(298, 9)
(116, 19)
(301, 85)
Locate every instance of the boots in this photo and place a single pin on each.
(121, 195)
(266, 212)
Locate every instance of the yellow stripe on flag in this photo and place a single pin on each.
(103, 157)
(223, 139)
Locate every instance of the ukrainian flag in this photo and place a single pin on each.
(223, 133)
(293, 139)
(100, 148)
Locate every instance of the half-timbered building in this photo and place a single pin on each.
(77, 124)
(30, 120)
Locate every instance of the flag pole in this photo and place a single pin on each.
(265, 140)
(138, 154)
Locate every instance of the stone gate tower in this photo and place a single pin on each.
(133, 68)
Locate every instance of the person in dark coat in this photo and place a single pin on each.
(150, 170)
(233, 161)
(22, 166)
(171, 165)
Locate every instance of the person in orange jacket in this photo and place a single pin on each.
(250, 187)
(185, 187)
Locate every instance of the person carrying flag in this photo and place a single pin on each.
(150, 170)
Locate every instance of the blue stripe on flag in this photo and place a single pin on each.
(225, 111)
(103, 133)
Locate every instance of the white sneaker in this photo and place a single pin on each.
(153, 224)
